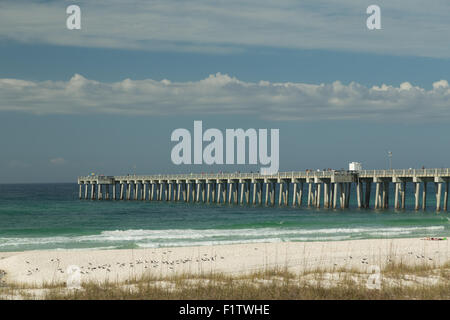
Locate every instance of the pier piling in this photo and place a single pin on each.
(323, 188)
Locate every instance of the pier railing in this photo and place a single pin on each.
(405, 173)
(221, 175)
(327, 188)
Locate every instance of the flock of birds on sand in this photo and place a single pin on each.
(170, 264)
(142, 263)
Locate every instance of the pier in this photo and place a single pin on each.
(327, 189)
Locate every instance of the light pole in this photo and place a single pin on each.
(390, 159)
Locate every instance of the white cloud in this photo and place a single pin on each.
(221, 94)
(408, 26)
(57, 161)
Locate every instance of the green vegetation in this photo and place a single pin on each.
(397, 282)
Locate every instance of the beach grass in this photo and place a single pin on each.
(397, 281)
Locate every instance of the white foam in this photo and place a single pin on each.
(182, 237)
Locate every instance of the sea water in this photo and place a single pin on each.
(51, 217)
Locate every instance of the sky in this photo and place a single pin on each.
(106, 98)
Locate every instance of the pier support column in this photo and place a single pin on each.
(236, 190)
(280, 196)
(446, 196)
(348, 193)
(396, 203)
(174, 191)
(219, 186)
(272, 193)
(247, 192)
(358, 194)
(99, 191)
(208, 191)
(386, 195)
(314, 195)
(224, 192)
(107, 191)
(254, 192)
(342, 195)
(166, 191)
(242, 192)
(438, 188)
(121, 191)
(162, 188)
(300, 194)
(326, 199)
(80, 192)
(171, 191)
(213, 192)
(194, 192)
(383, 195)
(403, 194)
(377, 195)
(230, 191)
(345, 194)
(294, 195)
(144, 191)
(154, 190)
(335, 193)
(157, 188)
(267, 192)
(367, 195)
(319, 187)
(179, 187)
(86, 191)
(286, 194)
(150, 189)
(135, 190)
(416, 195)
(92, 191)
(309, 194)
(203, 187)
(187, 191)
(260, 192)
(114, 191)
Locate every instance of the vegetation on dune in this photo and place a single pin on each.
(397, 281)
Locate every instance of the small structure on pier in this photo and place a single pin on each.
(355, 166)
(330, 188)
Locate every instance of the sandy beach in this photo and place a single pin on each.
(38, 267)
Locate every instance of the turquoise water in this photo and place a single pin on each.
(50, 216)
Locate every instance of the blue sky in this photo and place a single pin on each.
(105, 99)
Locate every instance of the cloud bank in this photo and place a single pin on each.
(408, 26)
(221, 94)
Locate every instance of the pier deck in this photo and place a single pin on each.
(330, 189)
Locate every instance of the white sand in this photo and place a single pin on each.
(37, 267)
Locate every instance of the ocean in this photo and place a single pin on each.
(51, 217)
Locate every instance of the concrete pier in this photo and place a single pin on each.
(327, 189)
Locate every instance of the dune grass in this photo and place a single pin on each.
(398, 281)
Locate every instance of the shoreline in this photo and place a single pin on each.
(119, 265)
